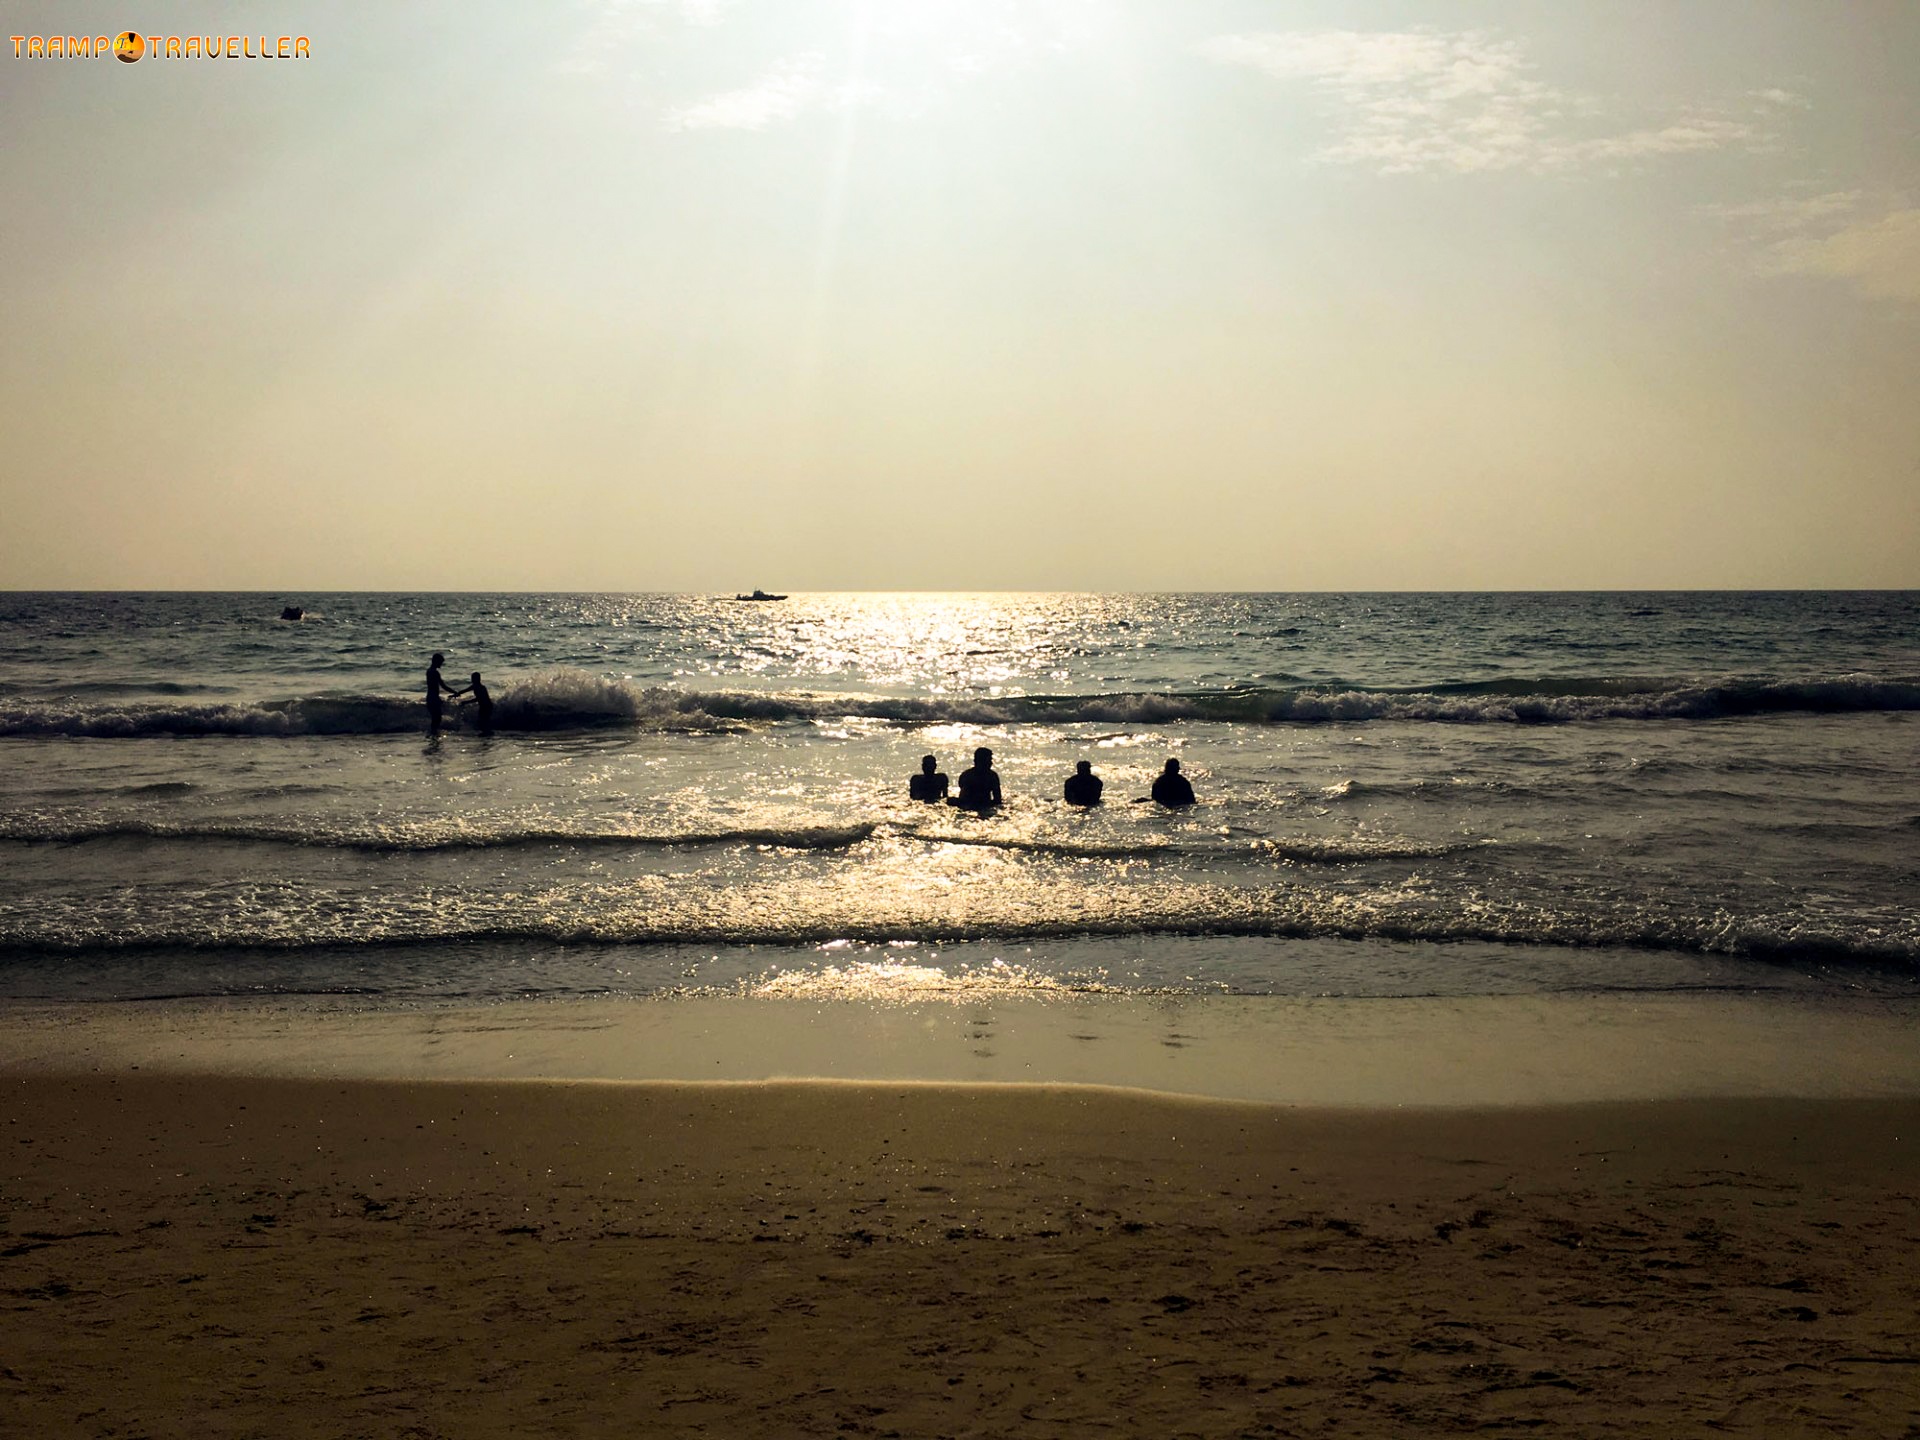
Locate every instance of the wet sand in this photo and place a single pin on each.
(243, 1255)
(1429, 1051)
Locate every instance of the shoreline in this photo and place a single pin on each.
(237, 1255)
(1435, 1052)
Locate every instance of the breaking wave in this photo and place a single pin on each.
(572, 700)
(455, 835)
(653, 914)
(425, 835)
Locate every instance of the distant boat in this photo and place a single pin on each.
(293, 612)
(759, 595)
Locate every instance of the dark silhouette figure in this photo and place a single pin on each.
(1083, 786)
(929, 784)
(436, 687)
(1171, 788)
(482, 702)
(979, 785)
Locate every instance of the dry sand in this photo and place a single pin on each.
(234, 1256)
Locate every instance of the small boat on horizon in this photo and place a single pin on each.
(759, 595)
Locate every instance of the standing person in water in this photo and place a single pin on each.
(929, 784)
(436, 687)
(1171, 788)
(979, 785)
(482, 702)
(1083, 786)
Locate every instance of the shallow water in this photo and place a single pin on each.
(1399, 794)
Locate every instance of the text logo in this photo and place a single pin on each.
(129, 46)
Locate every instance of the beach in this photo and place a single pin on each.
(260, 1248)
(1520, 1031)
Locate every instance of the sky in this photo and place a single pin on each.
(660, 295)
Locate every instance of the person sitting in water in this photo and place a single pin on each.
(979, 786)
(1171, 788)
(929, 784)
(1083, 786)
(478, 697)
(436, 687)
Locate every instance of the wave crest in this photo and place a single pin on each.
(425, 835)
(567, 699)
(664, 910)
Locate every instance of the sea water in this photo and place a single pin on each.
(1399, 794)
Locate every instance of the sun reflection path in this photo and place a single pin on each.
(901, 982)
(933, 645)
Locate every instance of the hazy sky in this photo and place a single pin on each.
(963, 294)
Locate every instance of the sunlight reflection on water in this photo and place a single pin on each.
(902, 982)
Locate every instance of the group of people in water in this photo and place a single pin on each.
(979, 787)
(439, 692)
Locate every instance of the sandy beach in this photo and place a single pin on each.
(259, 1254)
(1107, 720)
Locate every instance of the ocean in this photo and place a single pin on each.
(1399, 795)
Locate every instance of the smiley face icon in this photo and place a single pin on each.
(129, 46)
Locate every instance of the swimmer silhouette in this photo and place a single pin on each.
(929, 784)
(436, 687)
(1083, 786)
(482, 702)
(979, 786)
(1171, 788)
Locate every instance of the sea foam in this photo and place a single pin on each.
(568, 699)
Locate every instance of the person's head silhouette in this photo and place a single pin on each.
(474, 678)
(438, 659)
(927, 763)
(1173, 767)
(1085, 767)
(983, 757)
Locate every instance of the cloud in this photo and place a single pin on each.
(787, 89)
(903, 60)
(1869, 243)
(1791, 212)
(701, 12)
(612, 28)
(1682, 137)
(689, 12)
(1880, 258)
(1465, 102)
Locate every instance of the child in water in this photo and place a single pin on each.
(477, 696)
